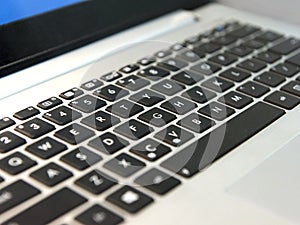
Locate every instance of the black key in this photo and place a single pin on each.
(270, 79)
(190, 56)
(196, 123)
(283, 100)
(216, 111)
(133, 82)
(167, 87)
(108, 143)
(200, 95)
(129, 199)
(157, 181)
(133, 129)
(125, 109)
(35, 128)
(244, 31)
(240, 51)
(298, 78)
(235, 74)
(26, 113)
(81, 158)
(173, 64)
(179, 105)
(157, 117)
(254, 44)
(74, 134)
(286, 47)
(253, 89)
(1, 179)
(96, 182)
(268, 36)
(46, 148)
(48, 209)
(6, 122)
(91, 85)
(87, 103)
(62, 115)
(146, 61)
(192, 40)
(236, 100)
(268, 57)
(129, 68)
(174, 135)
(222, 140)
(50, 103)
(51, 174)
(111, 76)
(101, 121)
(177, 47)
(286, 69)
(150, 150)
(111, 93)
(124, 165)
(188, 77)
(217, 84)
(206, 48)
(71, 94)
(252, 65)
(147, 97)
(163, 53)
(223, 59)
(292, 87)
(154, 73)
(16, 163)
(295, 60)
(15, 194)
(97, 215)
(224, 40)
(10, 141)
(206, 68)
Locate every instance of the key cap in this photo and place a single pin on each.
(74, 134)
(270, 79)
(298, 78)
(254, 44)
(26, 113)
(1, 179)
(163, 54)
(133, 82)
(48, 209)
(87, 104)
(81, 158)
(174, 136)
(97, 215)
(224, 40)
(147, 97)
(244, 31)
(172, 64)
(206, 48)
(157, 117)
(15, 194)
(10, 141)
(111, 76)
(200, 95)
(6, 122)
(16, 163)
(253, 89)
(191, 56)
(46, 148)
(235, 100)
(285, 69)
(208, 149)
(62, 115)
(125, 109)
(96, 182)
(179, 105)
(71, 94)
(206, 68)
(129, 68)
(177, 47)
(146, 61)
(111, 93)
(268, 57)
(252, 65)
(217, 84)
(35, 128)
(192, 40)
(49, 103)
(101, 121)
(196, 123)
(124, 165)
(129, 199)
(292, 87)
(235, 74)
(133, 129)
(268, 36)
(286, 47)
(240, 51)
(51, 174)
(153, 73)
(157, 181)
(150, 150)
(188, 77)
(167, 87)
(224, 59)
(282, 100)
(295, 60)
(91, 85)
(216, 111)
(108, 143)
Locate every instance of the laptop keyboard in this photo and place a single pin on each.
(170, 108)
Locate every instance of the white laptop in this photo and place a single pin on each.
(147, 112)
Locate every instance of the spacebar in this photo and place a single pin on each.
(48, 209)
(223, 139)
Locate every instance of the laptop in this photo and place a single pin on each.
(154, 112)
